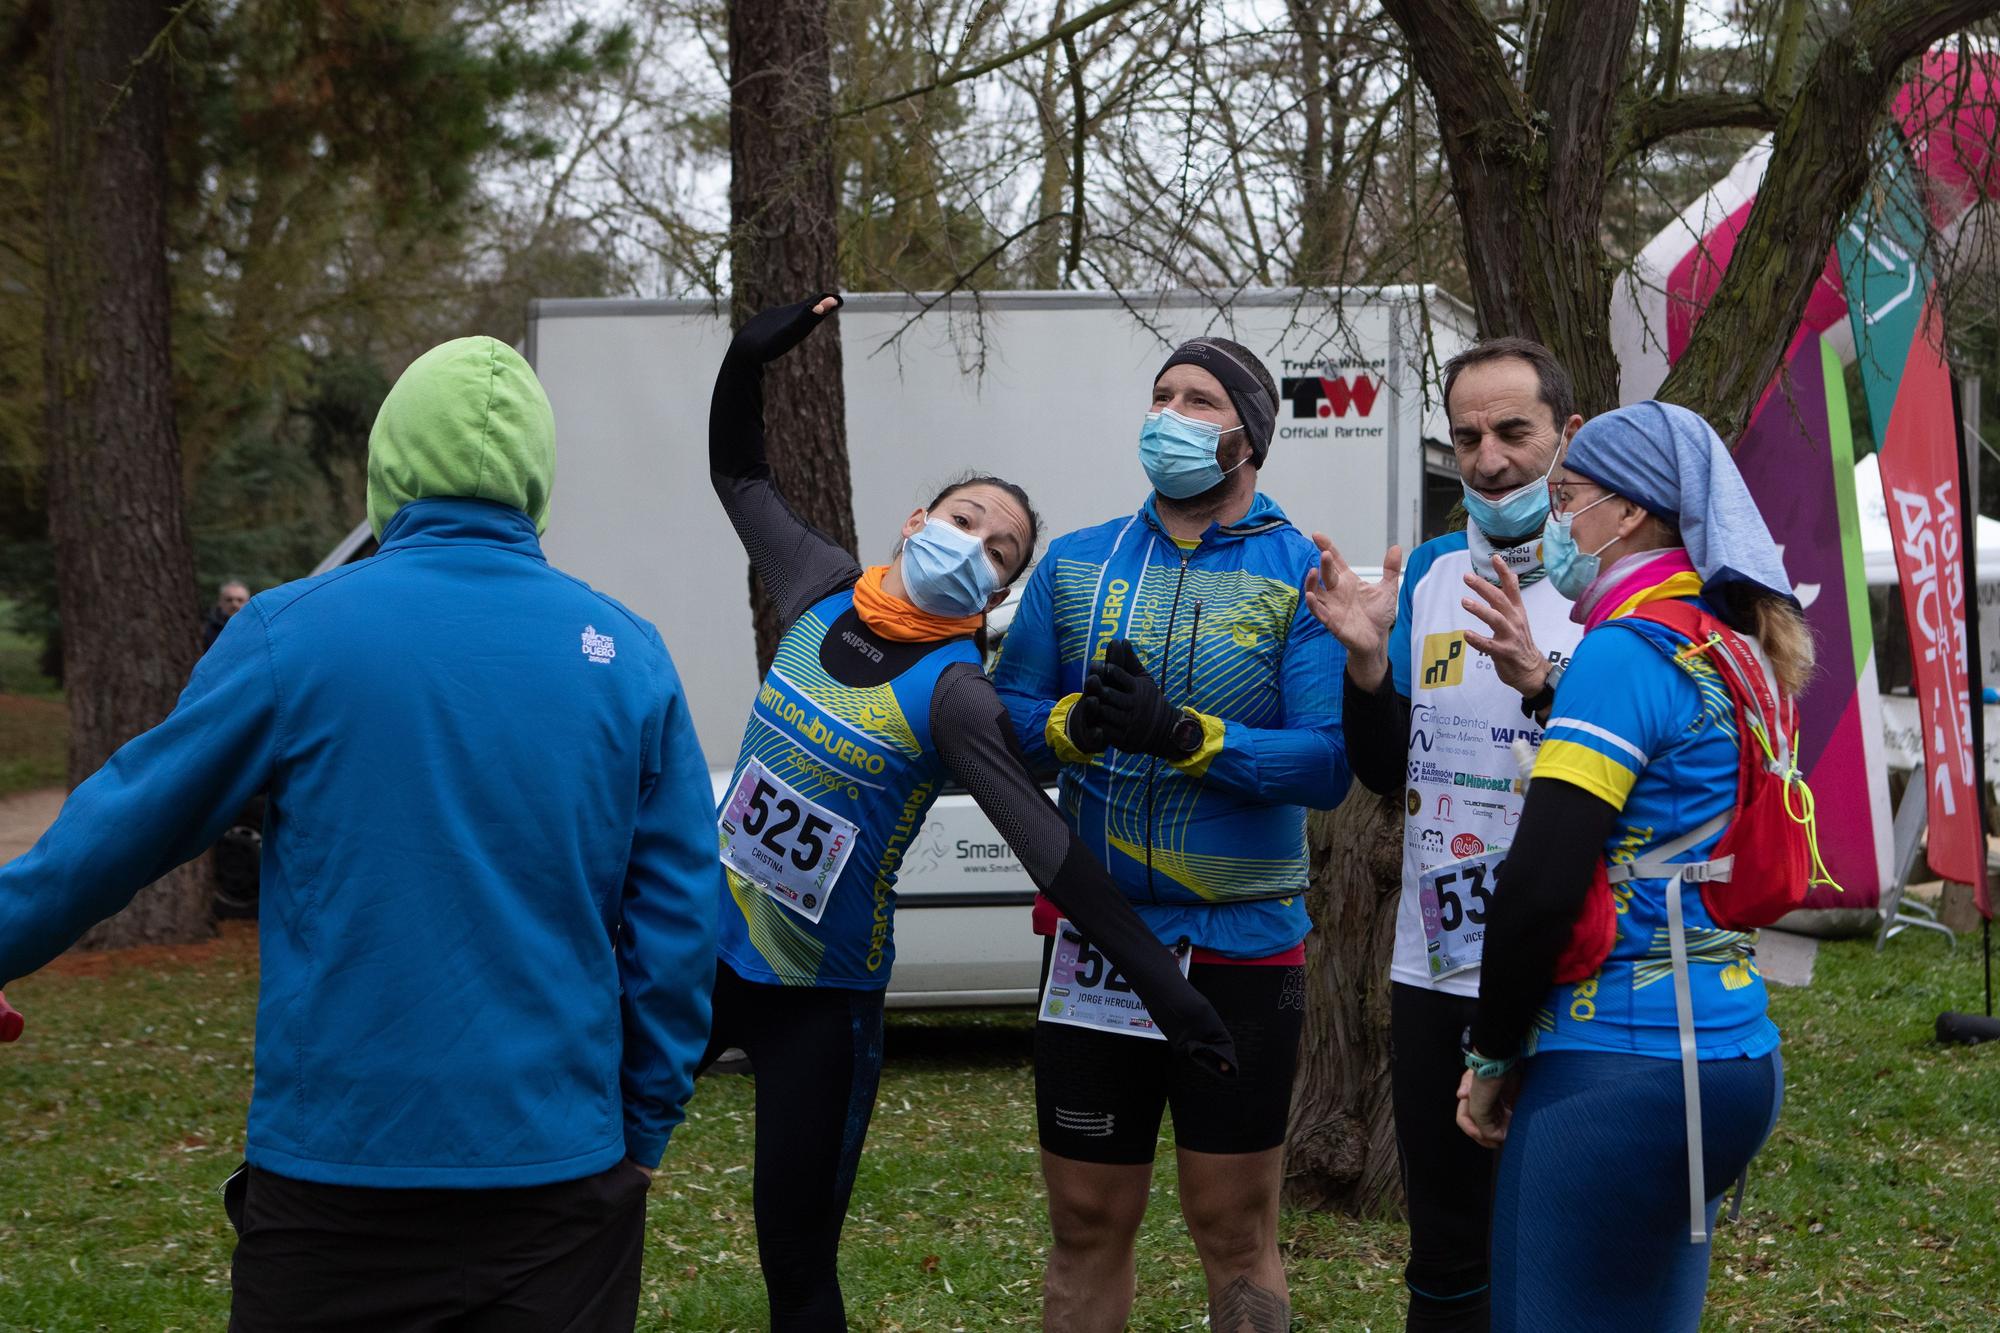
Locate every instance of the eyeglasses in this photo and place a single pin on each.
(1563, 495)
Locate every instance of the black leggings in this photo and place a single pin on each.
(1447, 1178)
(816, 1054)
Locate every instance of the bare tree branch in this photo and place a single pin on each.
(964, 280)
(1005, 58)
(1785, 60)
(1648, 121)
(1670, 49)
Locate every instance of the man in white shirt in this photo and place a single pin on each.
(1451, 660)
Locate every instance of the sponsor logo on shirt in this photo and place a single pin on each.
(1444, 660)
(861, 645)
(598, 647)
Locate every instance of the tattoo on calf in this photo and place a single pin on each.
(1245, 1307)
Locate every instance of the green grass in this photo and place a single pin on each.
(34, 741)
(1877, 1204)
(34, 726)
(20, 658)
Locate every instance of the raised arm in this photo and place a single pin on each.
(978, 745)
(797, 562)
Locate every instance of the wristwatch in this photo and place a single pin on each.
(1542, 700)
(1187, 733)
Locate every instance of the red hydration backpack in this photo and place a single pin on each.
(1768, 855)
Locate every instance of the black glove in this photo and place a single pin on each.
(769, 334)
(1086, 726)
(1131, 706)
(1213, 1055)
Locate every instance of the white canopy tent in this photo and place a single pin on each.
(1877, 550)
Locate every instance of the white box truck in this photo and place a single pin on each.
(1046, 389)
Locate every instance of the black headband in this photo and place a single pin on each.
(1246, 392)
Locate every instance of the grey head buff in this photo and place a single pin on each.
(1246, 393)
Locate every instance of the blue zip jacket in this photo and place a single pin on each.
(490, 884)
(1212, 849)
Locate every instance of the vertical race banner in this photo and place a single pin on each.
(1899, 344)
(1797, 457)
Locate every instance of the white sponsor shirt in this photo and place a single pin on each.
(1464, 787)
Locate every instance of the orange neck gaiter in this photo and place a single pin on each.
(894, 618)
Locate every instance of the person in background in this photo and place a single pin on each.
(229, 599)
(489, 893)
(1581, 1083)
(1166, 661)
(1422, 715)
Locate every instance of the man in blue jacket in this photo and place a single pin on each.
(1166, 662)
(489, 891)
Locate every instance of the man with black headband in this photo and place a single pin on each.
(1449, 662)
(1166, 662)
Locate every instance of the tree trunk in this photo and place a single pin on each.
(124, 569)
(1341, 1152)
(1527, 170)
(784, 247)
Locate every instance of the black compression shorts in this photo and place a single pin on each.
(1098, 1095)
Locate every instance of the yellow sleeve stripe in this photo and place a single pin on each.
(1597, 773)
(1056, 730)
(1213, 729)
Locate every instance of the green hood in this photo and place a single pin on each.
(467, 420)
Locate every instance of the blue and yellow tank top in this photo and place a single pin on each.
(830, 788)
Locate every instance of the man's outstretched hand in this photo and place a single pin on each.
(1357, 613)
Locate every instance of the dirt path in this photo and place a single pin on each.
(23, 818)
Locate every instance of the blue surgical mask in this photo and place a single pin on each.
(946, 572)
(1570, 571)
(1178, 454)
(1515, 514)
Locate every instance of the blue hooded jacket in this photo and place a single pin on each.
(490, 886)
(1211, 850)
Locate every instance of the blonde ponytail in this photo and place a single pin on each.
(1782, 633)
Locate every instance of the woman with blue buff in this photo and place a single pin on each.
(1610, 1094)
(876, 698)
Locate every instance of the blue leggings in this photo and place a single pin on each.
(1590, 1215)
